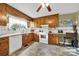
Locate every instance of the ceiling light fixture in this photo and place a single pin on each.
(44, 5)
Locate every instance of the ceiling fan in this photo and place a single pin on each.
(44, 5)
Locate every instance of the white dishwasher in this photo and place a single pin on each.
(15, 43)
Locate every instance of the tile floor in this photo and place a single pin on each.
(41, 49)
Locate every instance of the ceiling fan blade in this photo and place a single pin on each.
(39, 8)
(49, 8)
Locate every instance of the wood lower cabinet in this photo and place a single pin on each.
(35, 37)
(53, 39)
(28, 38)
(25, 39)
(4, 46)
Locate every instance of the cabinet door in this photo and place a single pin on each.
(3, 18)
(53, 39)
(23, 39)
(26, 39)
(35, 37)
(4, 46)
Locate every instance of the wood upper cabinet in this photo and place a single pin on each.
(3, 18)
(2, 8)
(51, 20)
(53, 38)
(5, 8)
(4, 46)
(3, 22)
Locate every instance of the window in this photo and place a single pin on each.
(16, 22)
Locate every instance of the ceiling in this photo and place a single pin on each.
(61, 8)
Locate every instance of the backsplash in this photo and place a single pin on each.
(3, 30)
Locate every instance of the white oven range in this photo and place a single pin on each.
(43, 36)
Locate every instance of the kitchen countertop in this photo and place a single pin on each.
(13, 34)
(36, 31)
